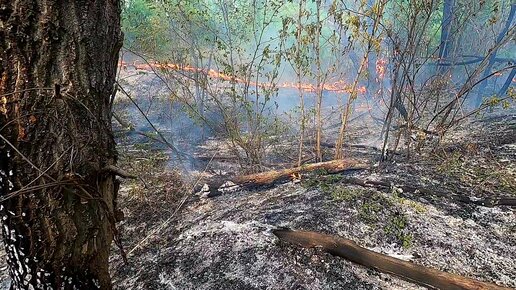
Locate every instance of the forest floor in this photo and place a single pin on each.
(226, 242)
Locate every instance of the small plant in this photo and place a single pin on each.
(322, 180)
(341, 193)
(396, 199)
(397, 228)
(320, 171)
(143, 146)
(333, 178)
(310, 183)
(369, 211)
(451, 163)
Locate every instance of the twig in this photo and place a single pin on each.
(118, 171)
(170, 145)
(24, 157)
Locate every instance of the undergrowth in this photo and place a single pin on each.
(478, 171)
(377, 210)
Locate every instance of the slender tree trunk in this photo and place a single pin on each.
(372, 76)
(58, 62)
(319, 87)
(299, 68)
(446, 40)
(354, 89)
(507, 83)
(492, 58)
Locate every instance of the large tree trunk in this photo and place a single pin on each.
(58, 62)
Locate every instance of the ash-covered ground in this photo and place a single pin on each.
(226, 242)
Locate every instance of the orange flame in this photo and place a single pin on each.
(337, 87)
(381, 67)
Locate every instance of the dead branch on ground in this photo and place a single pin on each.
(349, 250)
(282, 175)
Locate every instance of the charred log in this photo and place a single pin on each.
(349, 250)
(273, 177)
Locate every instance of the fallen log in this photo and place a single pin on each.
(383, 184)
(349, 250)
(277, 176)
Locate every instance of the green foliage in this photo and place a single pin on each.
(373, 208)
(347, 194)
(489, 174)
(452, 164)
(369, 211)
(145, 27)
(256, 42)
(397, 227)
(320, 178)
(502, 102)
(417, 206)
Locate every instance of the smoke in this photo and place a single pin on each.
(235, 77)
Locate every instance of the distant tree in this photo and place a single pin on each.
(319, 81)
(58, 61)
(445, 45)
(492, 58)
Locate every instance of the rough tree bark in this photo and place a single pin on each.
(58, 62)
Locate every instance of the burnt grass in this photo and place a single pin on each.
(226, 242)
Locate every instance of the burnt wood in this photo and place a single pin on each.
(349, 250)
(273, 177)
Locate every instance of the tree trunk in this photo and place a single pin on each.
(299, 74)
(487, 71)
(319, 88)
(507, 83)
(372, 84)
(277, 176)
(446, 40)
(58, 62)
